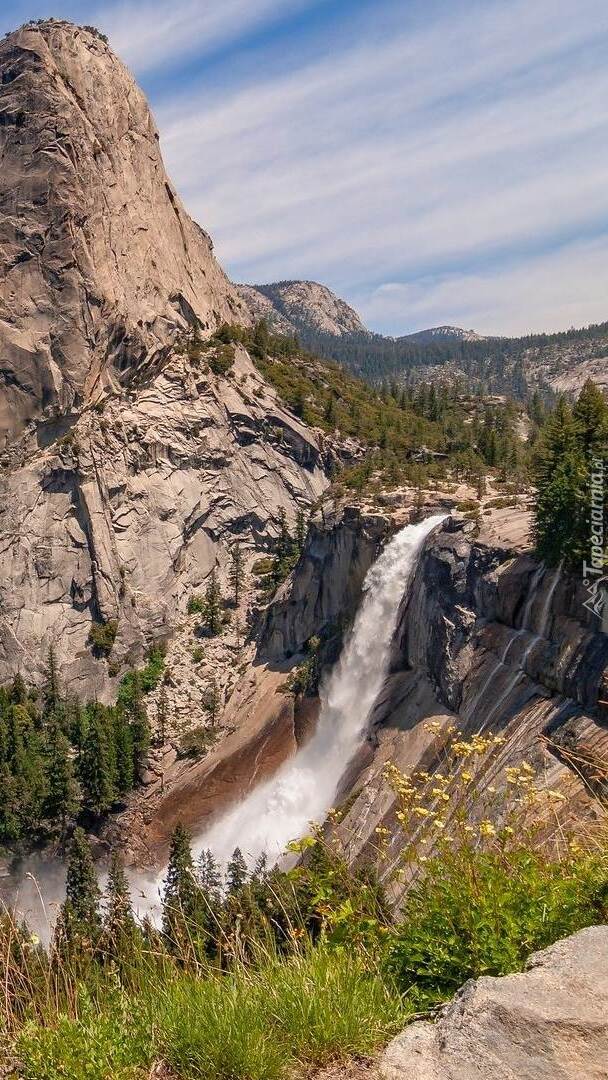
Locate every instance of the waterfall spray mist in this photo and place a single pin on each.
(304, 788)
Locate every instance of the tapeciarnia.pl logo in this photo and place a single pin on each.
(595, 577)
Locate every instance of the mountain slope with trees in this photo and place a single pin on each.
(517, 366)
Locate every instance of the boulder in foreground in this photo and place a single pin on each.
(548, 1023)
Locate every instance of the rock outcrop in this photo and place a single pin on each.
(99, 263)
(325, 590)
(302, 307)
(488, 640)
(120, 520)
(549, 1022)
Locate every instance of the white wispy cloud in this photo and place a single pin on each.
(564, 288)
(412, 157)
(433, 160)
(150, 33)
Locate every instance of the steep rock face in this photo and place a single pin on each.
(99, 263)
(262, 725)
(550, 1021)
(300, 306)
(325, 589)
(126, 515)
(129, 466)
(488, 640)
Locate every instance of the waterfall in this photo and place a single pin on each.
(304, 788)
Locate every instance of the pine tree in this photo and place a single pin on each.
(184, 909)
(162, 712)
(260, 870)
(261, 335)
(236, 572)
(591, 418)
(80, 915)
(120, 928)
(301, 530)
(236, 873)
(284, 541)
(75, 722)
(125, 754)
(284, 550)
(209, 874)
(140, 725)
(96, 767)
(536, 409)
(212, 700)
(298, 403)
(212, 605)
(330, 414)
(62, 794)
(51, 692)
(18, 690)
(560, 473)
(434, 412)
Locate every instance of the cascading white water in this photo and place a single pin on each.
(304, 788)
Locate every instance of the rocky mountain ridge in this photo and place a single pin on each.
(560, 362)
(302, 307)
(454, 333)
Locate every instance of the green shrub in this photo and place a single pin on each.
(196, 604)
(149, 678)
(304, 679)
(502, 504)
(222, 360)
(103, 635)
(262, 567)
(482, 913)
(196, 742)
(113, 1041)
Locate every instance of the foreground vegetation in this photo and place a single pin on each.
(268, 974)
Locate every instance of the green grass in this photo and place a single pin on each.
(315, 1007)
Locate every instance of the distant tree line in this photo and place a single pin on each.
(493, 364)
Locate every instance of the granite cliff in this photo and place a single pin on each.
(99, 262)
(129, 464)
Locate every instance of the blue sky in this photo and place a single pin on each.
(432, 162)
